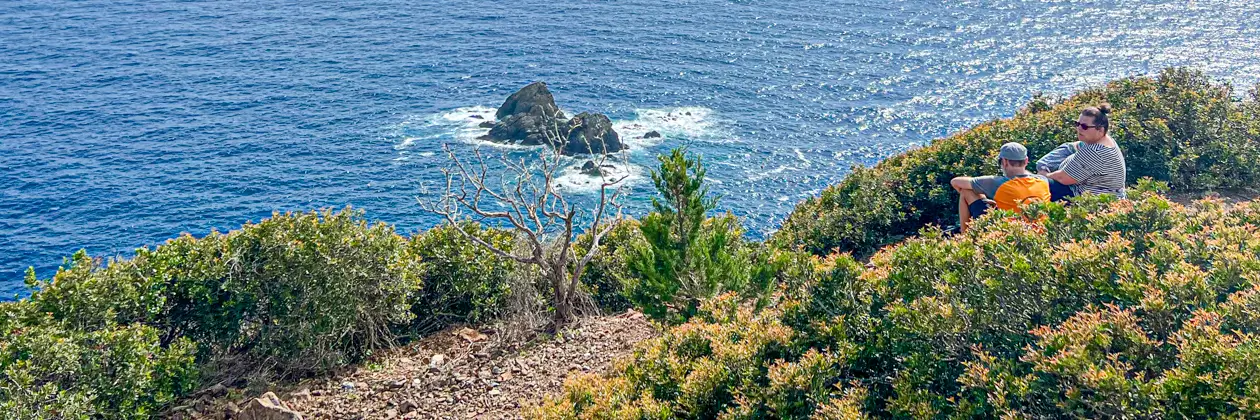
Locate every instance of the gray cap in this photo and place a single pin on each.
(1013, 151)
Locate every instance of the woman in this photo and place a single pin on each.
(1094, 164)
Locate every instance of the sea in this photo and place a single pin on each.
(124, 123)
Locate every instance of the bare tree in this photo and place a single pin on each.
(524, 197)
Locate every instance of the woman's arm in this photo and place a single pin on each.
(1073, 170)
(1062, 178)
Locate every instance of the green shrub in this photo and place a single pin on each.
(685, 257)
(298, 293)
(607, 277)
(610, 280)
(463, 282)
(1103, 309)
(1186, 130)
(116, 372)
(293, 295)
(326, 288)
(1179, 128)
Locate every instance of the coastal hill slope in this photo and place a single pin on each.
(1178, 127)
(861, 306)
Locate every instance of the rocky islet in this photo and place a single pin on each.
(530, 117)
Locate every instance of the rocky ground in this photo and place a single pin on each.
(459, 373)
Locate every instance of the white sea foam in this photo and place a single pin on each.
(422, 135)
(800, 155)
(460, 124)
(690, 123)
(572, 179)
(766, 174)
(408, 141)
(465, 127)
(459, 117)
(463, 124)
(466, 115)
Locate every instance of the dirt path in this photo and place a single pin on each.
(462, 373)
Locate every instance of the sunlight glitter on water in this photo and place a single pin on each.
(125, 123)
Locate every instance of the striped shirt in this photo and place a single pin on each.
(1097, 169)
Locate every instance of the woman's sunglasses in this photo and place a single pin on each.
(1084, 126)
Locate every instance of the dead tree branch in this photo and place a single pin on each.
(524, 196)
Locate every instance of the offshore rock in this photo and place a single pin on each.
(591, 134)
(527, 129)
(530, 117)
(534, 99)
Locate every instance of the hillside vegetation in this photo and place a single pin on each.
(858, 307)
(1140, 308)
(1179, 127)
(1104, 309)
(296, 295)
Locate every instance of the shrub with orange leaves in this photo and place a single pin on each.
(1106, 309)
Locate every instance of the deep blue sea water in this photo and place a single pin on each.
(123, 123)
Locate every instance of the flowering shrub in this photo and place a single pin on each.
(1104, 309)
(1179, 128)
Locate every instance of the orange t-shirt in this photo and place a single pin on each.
(1020, 190)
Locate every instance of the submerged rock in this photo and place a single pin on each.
(589, 168)
(593, 169)
(652, 135)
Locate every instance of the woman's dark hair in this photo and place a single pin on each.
(1099, 114)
